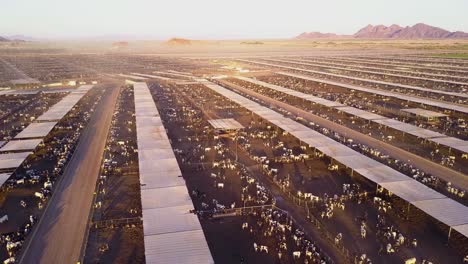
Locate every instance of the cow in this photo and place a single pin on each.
(3, 219)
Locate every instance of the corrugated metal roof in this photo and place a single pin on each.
(171, 233)
(384, 93)
(24, 144)
(60, 109)
(165, 197)
(423, 112)
(36, 130)
(392, 123)
(462, 229)
(379, 173)
(226, 124)
(404, 86)
(4, 177)
(12, 160)
(445, 210)
(169, 220)
(411, 190)
(187, 247)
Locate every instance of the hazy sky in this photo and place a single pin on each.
(219, 18)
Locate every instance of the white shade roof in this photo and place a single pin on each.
(169, 220)
(133, 77)
(36, 130)
(226, 123)
(415, 99)
(165, 197)
(398, 85)
(60, 109)
(382, 120)
(187, 247)
(152, 180)
(462, 229)
(423, 112)
(12, 160)
(24, 144)
(455, 143)
(151, 76)
(361, 113)
(171, 233)
(379, 173)
(182, 75)
(446, 211)
(333, 65)
(337, 150)
(411, 190)
(4, 177)
(358, 162)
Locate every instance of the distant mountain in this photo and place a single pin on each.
(179, 42)
(16, 38)
(418, 31)
(379, 31)
(20, 38)
(316, 35)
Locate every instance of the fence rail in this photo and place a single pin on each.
(116, 222)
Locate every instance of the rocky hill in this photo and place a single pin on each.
(418, 31)
(379, 31)
(179, 42)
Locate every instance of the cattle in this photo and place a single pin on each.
(12, 245)
(39, 195)
(20, 181)
(48, 185)
(10, 260)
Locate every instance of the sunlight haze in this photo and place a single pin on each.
(210, 19)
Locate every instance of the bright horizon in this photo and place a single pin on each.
(210, 19)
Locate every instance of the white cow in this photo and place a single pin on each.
(3, 219)
(9, 260)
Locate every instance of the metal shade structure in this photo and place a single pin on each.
(60, 109)
(172, 234)
(4, 177)
(12, 160)
(20, 145)
(424, 113)
(178, 247)
(436, 205)
(415, 99)
(35, 130)
(381, 120)
(404, 86)
(225, 124)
